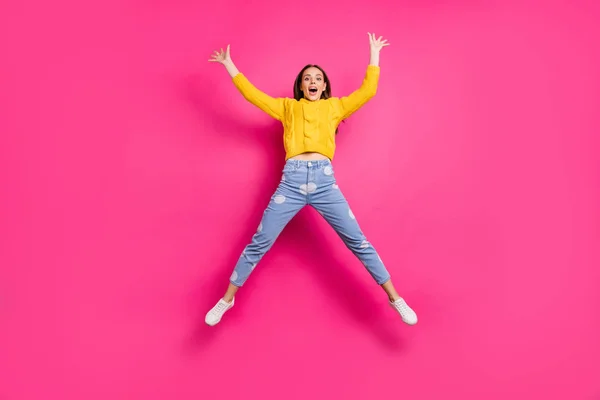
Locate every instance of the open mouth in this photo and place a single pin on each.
(312, 90)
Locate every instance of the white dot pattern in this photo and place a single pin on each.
(279, 199)
(283, 177)
(364, 244)
(260, 227)
(351, 214)
(335, 186)
(311, 187)
(327, 170)
(234, 276)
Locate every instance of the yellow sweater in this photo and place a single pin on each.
(309, 126)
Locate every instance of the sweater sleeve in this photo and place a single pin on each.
(351, 103)
(272, 106)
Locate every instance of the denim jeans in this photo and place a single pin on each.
(308, 183)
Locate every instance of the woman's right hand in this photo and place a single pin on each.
(222, 57)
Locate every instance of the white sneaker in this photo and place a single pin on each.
(216, 313)
(407, 313)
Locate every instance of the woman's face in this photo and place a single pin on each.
(313, 83)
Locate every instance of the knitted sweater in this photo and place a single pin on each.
(309, 126)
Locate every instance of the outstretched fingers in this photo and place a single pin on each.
(220, 56)
(377, 42)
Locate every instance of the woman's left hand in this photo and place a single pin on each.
(377, 44)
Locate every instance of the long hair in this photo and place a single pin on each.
(298, 94)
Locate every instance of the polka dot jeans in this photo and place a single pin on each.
(308, 183)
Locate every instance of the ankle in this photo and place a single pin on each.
(228, 299)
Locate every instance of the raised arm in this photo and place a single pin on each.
(351, 103)
(272, 106)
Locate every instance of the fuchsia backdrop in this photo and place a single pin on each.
(133, 174)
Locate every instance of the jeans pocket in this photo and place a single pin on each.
(289, 169)
(328, 171)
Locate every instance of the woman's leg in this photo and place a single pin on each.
(285, 203)
(390, 290)
(230, 293)
(329, 201)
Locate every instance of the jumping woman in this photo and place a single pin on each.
(310, 121)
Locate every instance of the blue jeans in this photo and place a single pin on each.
(308, 183)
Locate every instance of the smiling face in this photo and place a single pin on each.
(313, 83)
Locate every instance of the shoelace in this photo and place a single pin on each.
(402, 306)
(220, 307)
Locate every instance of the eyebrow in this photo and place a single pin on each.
(315, 75)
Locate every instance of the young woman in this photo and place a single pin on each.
(310, 122)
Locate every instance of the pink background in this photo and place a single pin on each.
(133, 174)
